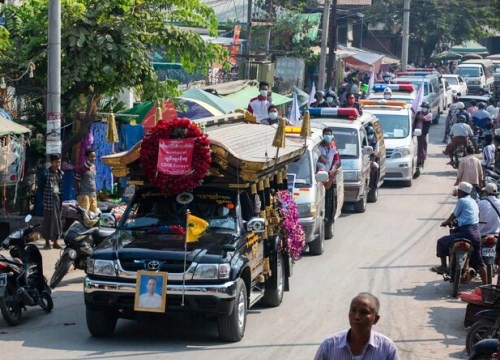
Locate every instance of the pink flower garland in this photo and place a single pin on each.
(290, 230)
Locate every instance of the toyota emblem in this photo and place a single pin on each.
(153, 265)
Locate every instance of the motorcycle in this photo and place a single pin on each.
(486, 328)
(488, 253)
(460, 254)
(478, 140)
(80, 240)
(458, 154)
(22, 282)
(489, 344)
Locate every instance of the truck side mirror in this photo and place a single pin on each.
(417, 132)
(321, 176)
(367, 150)
(256, 225)
(28, 218)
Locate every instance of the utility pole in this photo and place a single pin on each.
(406, 34)
(332, 44)
(324, 43)
(53, 139)
(249, 39)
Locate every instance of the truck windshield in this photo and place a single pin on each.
(302, 171)
(394, 126)
(155, 210)
(468, 71)
(452, 80)
(347, 142)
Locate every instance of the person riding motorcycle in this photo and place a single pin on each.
(461, 111)
(467, 215)
(450, 118)
(459, 133)
(481, 123)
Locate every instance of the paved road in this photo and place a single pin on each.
(387, 251)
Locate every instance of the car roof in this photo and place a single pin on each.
(331, 121)
(474, 97)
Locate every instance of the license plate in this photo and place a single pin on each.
(489, 252)
(3, 280)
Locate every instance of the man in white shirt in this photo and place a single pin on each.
(259, 105)
(150, 299)
(489, 208)
(459, 133)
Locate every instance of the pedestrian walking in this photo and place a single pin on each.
(85, 186)
(360, 341)
(52, 202)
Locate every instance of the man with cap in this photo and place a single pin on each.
(466, 213)
(320, 100)
(489, 211)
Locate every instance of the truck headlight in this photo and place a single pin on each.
(307, 210)
(212, 271)
(351, 175)
(101, 267)
(400, 152)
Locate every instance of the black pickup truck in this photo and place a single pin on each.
(233, 265)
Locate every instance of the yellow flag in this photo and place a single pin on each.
(195, 227)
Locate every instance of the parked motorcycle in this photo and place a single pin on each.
(486, 328)
(483, 349)
(22, 282)
(80, 240)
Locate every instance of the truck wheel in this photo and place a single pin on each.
(274, 297)
(329, 229)
(101, 323)
(316, 247)
(373, 195)
(360, 205)
(232, 327)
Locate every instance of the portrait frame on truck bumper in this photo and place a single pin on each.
(151, 291)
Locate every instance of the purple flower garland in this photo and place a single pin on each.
(290, 229)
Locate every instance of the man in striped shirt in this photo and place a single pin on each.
(360, 341)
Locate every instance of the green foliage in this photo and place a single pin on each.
(106, 45)
(436, 21)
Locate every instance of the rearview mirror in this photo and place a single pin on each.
(256, 225)
(417, 132)
(322, 176)
(367, 150)
(28, 218)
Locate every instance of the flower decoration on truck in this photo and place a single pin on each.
(175, 155)
(290, 229)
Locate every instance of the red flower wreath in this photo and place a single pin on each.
(175, 129)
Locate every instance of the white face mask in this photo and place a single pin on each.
(273, 115)
(263, 93)
(387, 96)
(424, 110)
(329, 99)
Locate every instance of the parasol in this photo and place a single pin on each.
(447, 55)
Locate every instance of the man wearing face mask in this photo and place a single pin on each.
(328, 148)
(259, 105)
(320, 100)
(273, 117)
(332, 98)
(351, 103)
(387, 93)
(422, 120)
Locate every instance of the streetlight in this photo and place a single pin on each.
(361, 16)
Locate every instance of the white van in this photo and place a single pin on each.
(400, 141)
(478, 74)
(349, 129)
(316, 216)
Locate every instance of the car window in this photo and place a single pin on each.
(394, 126)
(461, 80)
(302, 170)
(453, 80)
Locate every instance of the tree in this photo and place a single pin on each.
(436, 21)
(106, 47)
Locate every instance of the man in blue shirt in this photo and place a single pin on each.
(467, 215)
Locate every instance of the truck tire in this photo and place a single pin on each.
(232, 327)
(101, 323)
(360, 205)
(274, 297)
(329, 229)
(373, 195)
(317, 246)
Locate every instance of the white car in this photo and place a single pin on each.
(447, 94)
(457, 84)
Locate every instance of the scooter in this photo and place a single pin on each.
(486, 328)
(80, 240)
(22, 282)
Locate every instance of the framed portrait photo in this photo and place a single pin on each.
(151, 291)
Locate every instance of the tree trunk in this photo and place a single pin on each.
(85, 124)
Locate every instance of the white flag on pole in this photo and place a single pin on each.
(419, 98)
(371, 82)
(312, 93)
(295, 111)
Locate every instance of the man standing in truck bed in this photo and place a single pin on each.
(259, 105)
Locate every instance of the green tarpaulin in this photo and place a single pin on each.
(470, 46)
(242, 97)
(223, 104)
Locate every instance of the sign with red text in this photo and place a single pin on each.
(175, 155)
